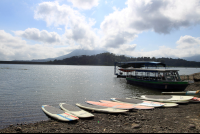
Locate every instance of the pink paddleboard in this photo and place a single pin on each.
(195, 99)
(110, 105)
(126, 104)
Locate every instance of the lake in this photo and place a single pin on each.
(25, 88)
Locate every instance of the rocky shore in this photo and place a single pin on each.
(182, 119)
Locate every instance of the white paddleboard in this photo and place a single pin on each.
(100, 108)
(75, 110)
(170, 104)
(58, 114)
(138, 102)
(165, 103)
(167, 98)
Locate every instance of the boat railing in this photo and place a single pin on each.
(147, 78)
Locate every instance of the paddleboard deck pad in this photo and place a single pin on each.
(138, 102)
(135, 106)
(58, 114)
(111, 105)
(100, 108)
(167, 98)
(75, 110)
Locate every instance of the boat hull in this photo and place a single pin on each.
(160, 85)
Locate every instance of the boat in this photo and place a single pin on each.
(148, 74)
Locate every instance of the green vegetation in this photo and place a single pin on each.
(109, 59)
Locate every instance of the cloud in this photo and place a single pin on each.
(78, 29)
(187, 46)
(84, 4)
(125, 49)
(161, 16)
(188, 41)
(37, 35)
(14, 48)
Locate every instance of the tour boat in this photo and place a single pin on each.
(144, 75)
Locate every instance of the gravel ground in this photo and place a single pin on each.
(182, 119)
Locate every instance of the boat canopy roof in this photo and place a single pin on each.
(150, 70)
(139, 64)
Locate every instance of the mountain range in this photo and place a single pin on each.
(193, 58)
(77, 52)
(80, 52)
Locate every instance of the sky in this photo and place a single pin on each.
(40, 29)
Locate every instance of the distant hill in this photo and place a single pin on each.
(193, 58)
(109, 59)
(77, 52)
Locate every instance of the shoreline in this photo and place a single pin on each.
(181, 119)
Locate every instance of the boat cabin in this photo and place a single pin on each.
(153, 74)
(120, 66)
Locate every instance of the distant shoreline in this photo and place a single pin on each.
(53, 63)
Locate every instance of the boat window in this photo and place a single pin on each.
(170, 76)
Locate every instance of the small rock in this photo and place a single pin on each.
(137, 121)
(125, 123)
(192, 126)
(135, 126)
(18, 129)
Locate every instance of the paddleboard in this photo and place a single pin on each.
(127, 104)
(138, 102)
(110, 105)
(195, 99)
(167, 98)
(75, 110)
(100, 108)
(192, 93)
(58, 114)
(164, 104)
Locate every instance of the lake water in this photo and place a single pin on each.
(25, 88)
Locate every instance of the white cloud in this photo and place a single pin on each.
(14, 48)
(162, 16)
(37, 35)
(188, 41)
(84, 4)
(187, 46)
(125, 49)
(78, 29)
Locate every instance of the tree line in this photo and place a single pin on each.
(109, 59)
